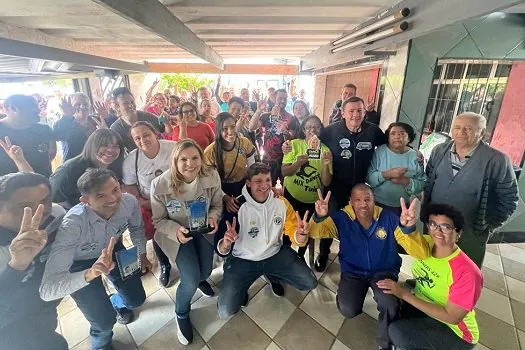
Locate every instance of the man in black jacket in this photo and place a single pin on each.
(348, 91)
(28, 223)
(352, 142)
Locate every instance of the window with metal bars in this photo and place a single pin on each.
(465, 86)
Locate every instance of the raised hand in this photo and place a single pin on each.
(230, 236)
(13, 151)
(29, 241)
(286, 147)
(104, 263)
(408, 215)
(262, 104)
(371, 105)
(101, 123)
(302, 226)
(321, 205)
(101, 110)
(66, 107)
(255, 95)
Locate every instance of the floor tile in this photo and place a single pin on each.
(493, 261)
(302, 332)
(512, 252)
(150, 283)
(320, 305)
(518, 245)
(339, 346)
(494, 281)
(75, 327)
(521, 336)
(273, 346)
(496, 334)
(172, 292)
(122, 340)
(516, 289)
(216, 275)
(268, 311)
(205, 317)
(158, 310)
(256, 287)
(66, 306)
(496, 305)
(205, 347)
(294, 295)
(493, 248)
(518, 311)
(359, 333)
(332, 276)
(166, 338)
(240, 333)
(514, 269)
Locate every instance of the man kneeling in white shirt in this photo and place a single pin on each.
(258, 248)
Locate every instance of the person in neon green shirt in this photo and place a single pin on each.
(440, 315)
(306, 168)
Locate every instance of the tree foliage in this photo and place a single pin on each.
(184, 81)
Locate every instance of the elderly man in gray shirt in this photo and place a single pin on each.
(83, 251)
(475, 178)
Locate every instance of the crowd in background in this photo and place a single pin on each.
(251, 177)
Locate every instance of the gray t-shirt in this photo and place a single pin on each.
(123, 129)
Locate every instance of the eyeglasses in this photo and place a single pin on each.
(188, 112)
(445, 228)
(312, 128)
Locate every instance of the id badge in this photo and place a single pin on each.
(128, 262)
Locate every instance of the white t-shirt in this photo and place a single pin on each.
(147, 169)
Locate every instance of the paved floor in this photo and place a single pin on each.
(304, 320)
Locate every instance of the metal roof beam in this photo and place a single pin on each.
(157, 18)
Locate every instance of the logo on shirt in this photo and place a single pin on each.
(43, 147)
(158, 172)
(381, 233)
(173, 206)
(364, 145)
(344, 143)
(346, 154)
(253, 232)
(425, 279)
(278, 220)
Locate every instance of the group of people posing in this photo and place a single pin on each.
(204, 183)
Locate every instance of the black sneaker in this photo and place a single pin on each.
(246, 300)
(277, 289)
(206, 289)
(124, 316)
(184, 330)
(320, 263)
(164, 277)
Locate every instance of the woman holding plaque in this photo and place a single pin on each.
(306, 168)
(396, 171)
(186, 203)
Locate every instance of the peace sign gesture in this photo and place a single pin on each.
(302, 225)
(371, 105)
(230, 236)
(104, 263)
(321, 206)
(29, 241)
(13, 151)
(408, 215)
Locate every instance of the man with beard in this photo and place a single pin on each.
(21, 126)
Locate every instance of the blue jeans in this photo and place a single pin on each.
(98, 309)
(239, 274)
(195, 263)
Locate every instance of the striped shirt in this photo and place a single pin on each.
(457, 163)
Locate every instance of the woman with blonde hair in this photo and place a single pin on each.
(186, 203)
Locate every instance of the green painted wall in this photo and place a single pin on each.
(489, 37)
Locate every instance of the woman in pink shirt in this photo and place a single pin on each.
(189, 127)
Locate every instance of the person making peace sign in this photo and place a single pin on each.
(368, 252)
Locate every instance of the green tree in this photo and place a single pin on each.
(184, 81)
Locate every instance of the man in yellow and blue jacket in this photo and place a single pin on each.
(368, 237)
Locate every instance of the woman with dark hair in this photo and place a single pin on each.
(184, 199)
(440, 314)
(300, 110)
(395, 171)
(103, 149)
(306, 168)
(230, 154)
(150, 159)
(190, 127)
